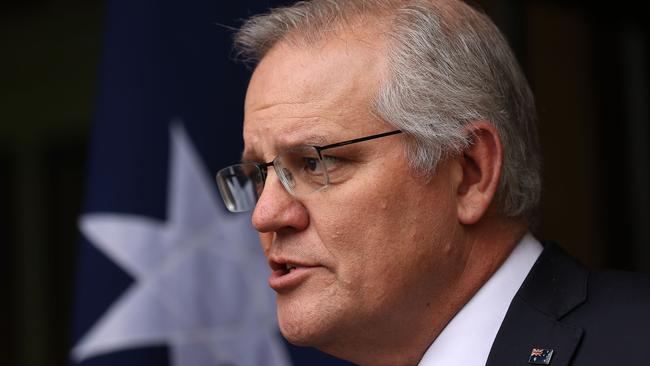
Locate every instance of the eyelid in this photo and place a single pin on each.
(331, 158)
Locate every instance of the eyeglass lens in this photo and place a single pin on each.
(239, 186)
(300, 170)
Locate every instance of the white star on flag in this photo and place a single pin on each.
(199, 277)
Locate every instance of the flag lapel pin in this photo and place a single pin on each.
(540, 356)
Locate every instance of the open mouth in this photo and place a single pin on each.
(287, 268)
(291, 267)
(288, 275)
(283, 268)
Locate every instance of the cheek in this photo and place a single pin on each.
(349, 240)
(360, 236)
(374, 227)
(398, 227)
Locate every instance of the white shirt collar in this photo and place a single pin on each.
(468, 337)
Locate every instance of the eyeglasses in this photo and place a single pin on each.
(302, 170)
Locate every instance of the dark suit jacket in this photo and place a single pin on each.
(586, 318)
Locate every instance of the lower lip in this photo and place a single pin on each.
(281, 281)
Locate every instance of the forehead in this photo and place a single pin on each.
(315, 95)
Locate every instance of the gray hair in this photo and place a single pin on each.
(449, 65)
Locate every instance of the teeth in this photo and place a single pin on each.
(291, 267)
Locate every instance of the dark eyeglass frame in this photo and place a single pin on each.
(263, 167)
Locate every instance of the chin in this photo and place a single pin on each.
(296, 335)
(304, 325)
(322, 332)
(300, 330)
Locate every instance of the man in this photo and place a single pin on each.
(392, 166)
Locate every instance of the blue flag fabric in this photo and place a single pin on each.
(166, 276)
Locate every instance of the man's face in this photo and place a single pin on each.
(374, 249)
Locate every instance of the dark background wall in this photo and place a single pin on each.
(49, 61)
(587, 64)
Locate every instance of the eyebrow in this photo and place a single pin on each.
(310, 140)
(298, 140)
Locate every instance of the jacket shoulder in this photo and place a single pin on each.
(614, 316)
(584, 317)
(616, 312)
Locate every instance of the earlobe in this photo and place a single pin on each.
(480, 165)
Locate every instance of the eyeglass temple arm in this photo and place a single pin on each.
(354, 141)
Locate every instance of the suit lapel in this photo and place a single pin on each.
(555, 286)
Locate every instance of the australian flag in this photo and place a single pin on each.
(166, 276)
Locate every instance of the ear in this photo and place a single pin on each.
(480, 167)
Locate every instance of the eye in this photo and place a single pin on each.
(310, 164)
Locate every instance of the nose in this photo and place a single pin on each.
(277, 210)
